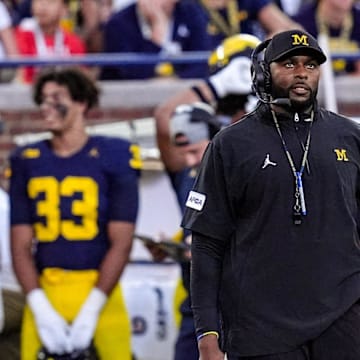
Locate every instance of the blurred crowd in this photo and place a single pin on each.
(60, 28)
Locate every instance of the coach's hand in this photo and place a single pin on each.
(52, 328)
(83, 327)
(209, 348)
(235, 78)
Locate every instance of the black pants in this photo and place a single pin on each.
(341, 341)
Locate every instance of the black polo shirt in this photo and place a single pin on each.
(281, 284)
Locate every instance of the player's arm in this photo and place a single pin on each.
(83, 327)
(21, 230)
(123, 208)
(23, 261)
(51, 326)
(163, 112)
(234, 78)
(121, 237)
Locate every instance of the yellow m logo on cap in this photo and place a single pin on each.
(300, 39)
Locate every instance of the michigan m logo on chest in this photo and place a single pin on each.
(341, 155)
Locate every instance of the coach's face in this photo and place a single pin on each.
(297, 78)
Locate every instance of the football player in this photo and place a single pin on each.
(185, 123)
(74, 202)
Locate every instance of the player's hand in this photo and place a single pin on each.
(83, 327)
(52, 328)
(156, 253)
(234, 78)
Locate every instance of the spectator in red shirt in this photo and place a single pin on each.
(43, 36)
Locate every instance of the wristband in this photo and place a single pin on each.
(196, 89)
(213, 91)
(207, 333)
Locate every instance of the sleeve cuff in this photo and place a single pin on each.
(199, 337)
(213, 91)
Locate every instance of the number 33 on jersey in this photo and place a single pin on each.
(69, 200)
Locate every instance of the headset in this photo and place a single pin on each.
(261, 77)
(260, 73)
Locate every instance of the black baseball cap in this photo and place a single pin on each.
(286, 43)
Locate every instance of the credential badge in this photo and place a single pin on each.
(195, 200)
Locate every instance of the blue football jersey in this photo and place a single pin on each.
(69, 200)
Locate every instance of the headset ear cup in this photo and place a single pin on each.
(266, 77)
(256, 75)
(260, 72)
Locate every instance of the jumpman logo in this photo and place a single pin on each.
(268, 162)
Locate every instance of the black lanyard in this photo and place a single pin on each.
(300, 205)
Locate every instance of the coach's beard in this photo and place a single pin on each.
(296, 105)
(306, 105)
